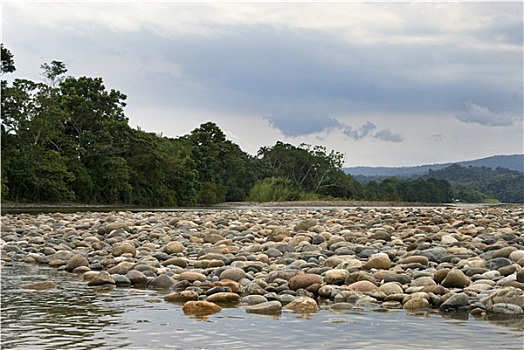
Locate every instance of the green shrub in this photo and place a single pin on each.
(279, 189)
(212, 193)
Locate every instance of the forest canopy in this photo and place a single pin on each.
(67, 139)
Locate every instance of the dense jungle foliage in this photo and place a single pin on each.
(67, 139)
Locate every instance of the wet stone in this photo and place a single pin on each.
(253, 299)
(302, 305)
(223, 297)
(161, 282)
(137, 278)
(505, 309)
(269, 307)
(40, 285)
(456, 278)
(76, 261)
(101, 278)
(200, 308)
(218, 289)
(416, 303)
(507, 295)
(182, 297)
(455, 301)
(121, 281)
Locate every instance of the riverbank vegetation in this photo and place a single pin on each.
(67, 139)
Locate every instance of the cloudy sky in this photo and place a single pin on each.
(387, 84)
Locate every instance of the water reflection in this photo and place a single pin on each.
(420, 313)
(80, 317)
(50, 318)
(515, 323)
(455, 315)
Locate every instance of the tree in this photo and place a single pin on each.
(111, 177)
(8, 63)
(32, 121)
(162, 172)
(473, 184)
(67, 136)
(53, 72)
(97, 124)
(95, 131)
(225, 172)
(312, 168)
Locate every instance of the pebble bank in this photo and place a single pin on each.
(455, 259)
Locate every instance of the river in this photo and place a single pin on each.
(74, 316)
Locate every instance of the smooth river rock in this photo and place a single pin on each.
(40, 285)
(200, 308)
(269, 307)
(302, 305)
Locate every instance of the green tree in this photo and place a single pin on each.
(181, 175)
(32, 167)
(312, 168)
(96, 136)
(162, 171)
(225, 172)
(54, 72)
(389, 189)
(473, 184)
(8, 63)
(97, 124)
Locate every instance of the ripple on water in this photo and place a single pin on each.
(74, 316)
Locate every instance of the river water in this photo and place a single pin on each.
(74, 316)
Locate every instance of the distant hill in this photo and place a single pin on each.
(513, 162)
(504, 185)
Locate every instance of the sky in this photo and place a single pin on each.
(384, 83)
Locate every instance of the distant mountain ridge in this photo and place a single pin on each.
(513, 162)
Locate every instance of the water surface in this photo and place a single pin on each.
(74, 316)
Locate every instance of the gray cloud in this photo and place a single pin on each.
(255, 67)
(269, 63)
(367, 131)
(483, 116)
(306, 123)
(294, 123)
(388, 135)
(361, 132)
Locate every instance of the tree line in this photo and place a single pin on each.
(478, 184)
(67, 139)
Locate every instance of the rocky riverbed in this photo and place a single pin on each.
(455, 259)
